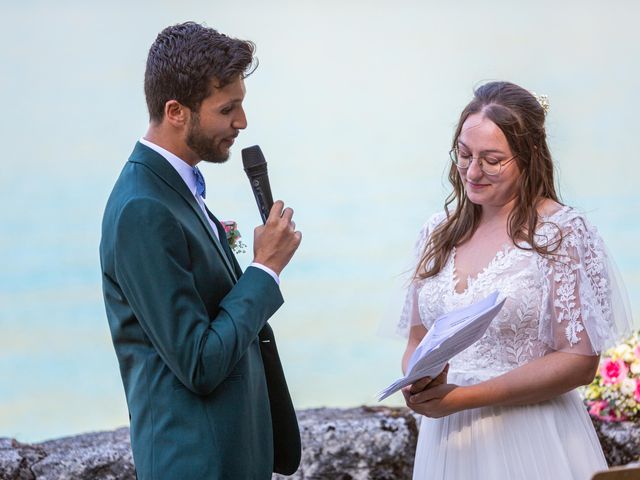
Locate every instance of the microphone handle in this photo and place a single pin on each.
(262, 192)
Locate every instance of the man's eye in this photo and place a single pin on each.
(226, 111)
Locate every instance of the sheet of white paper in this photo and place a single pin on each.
(455, 327)
(449, 335)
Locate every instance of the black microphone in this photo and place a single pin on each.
(256, 168)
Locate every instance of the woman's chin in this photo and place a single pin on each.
(476, 198)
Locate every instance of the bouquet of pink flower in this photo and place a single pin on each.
(233, 236)
(614, 394)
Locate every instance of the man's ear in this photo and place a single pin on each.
(176, 114)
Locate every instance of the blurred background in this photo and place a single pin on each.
(354, 105)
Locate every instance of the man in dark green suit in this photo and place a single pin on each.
(205, 389)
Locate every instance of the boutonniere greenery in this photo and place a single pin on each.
(233, 237)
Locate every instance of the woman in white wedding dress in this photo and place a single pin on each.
(507, 408)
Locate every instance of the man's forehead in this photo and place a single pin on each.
(232, 90)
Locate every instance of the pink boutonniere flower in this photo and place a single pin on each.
(233, 236)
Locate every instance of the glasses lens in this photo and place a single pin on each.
(491, 168)
(461, 162)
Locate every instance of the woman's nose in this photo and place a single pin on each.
(474, 171)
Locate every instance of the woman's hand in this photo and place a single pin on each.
(426, 395)
(539, 380)
(425, 382)
(438, 401)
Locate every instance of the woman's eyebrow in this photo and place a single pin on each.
(483, 151)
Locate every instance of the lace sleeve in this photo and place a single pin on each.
(410, 315)
(585, 307)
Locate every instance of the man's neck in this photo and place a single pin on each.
(171, 143)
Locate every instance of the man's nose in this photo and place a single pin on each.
(240, 122)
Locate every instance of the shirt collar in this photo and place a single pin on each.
(183, 168)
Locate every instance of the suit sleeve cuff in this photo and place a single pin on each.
(273, 274)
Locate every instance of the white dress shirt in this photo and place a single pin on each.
(186, 173)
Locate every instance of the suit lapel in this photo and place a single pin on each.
(163, 169)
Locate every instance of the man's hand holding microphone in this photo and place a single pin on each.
(275, 242)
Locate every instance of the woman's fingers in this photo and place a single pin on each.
(420, 385)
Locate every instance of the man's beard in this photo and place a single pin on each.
(204, 146)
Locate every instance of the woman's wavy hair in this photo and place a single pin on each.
(519, 115)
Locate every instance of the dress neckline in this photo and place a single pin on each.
(505, 250)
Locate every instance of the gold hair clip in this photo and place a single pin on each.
(543, 100)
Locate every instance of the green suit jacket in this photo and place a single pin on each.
(205, 389)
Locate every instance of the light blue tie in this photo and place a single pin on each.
(201, 189)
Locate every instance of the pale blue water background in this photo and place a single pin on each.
(354, 104)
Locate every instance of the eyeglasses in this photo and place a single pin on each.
(489, 165)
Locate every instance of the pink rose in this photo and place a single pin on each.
(596, 407)
(636, 394)
(613, 372)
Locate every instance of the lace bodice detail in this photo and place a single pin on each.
(560, 303)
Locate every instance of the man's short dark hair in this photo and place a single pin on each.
(185, 58)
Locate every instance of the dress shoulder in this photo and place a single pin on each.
(585, 307)
(410, 315)
(429, 226)
(565, 220)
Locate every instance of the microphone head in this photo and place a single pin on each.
(252, 157)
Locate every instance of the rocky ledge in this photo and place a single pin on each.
(338, 444)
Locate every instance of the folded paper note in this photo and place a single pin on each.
(450, 334)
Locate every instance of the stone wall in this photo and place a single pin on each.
(620, 441)
(95, 456)
(372, 443)
(356, 444)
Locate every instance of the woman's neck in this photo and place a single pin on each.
(492, 214)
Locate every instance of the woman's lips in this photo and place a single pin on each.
(477, 186)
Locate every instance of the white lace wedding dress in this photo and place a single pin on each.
(572, 305)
